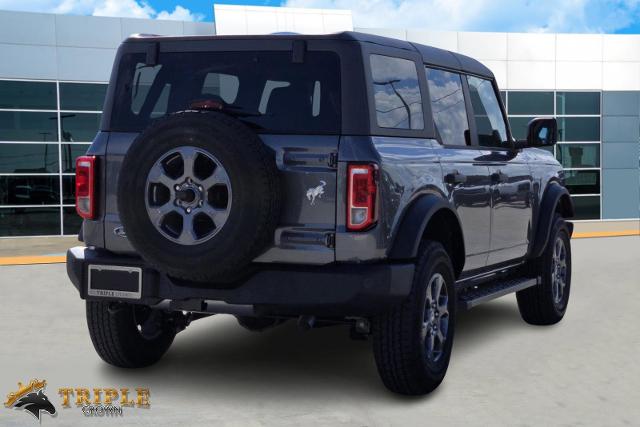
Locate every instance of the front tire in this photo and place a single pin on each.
(412, 342)
(546, 303)
(129, 335)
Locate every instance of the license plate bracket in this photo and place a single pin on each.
(114, 281)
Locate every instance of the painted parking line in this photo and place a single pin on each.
(28, 260)
(606, 234)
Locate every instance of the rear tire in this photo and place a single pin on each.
(128, 335)
(406, 338)
(546, 303)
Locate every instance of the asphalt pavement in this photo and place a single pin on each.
(582, 372)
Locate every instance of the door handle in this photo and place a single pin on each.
(455, 177)
(499, 177)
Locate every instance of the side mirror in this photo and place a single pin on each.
(541, 133)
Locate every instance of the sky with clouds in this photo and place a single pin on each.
(574, 16)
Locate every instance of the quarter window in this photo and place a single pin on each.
(491, 128)
(448, 107)
(396, 93)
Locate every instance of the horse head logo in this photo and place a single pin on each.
(35, 403)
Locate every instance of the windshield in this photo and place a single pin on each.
(265, 90)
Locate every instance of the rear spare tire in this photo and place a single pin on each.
(198, 196)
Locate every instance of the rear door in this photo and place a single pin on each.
(466, 176)
(293, 105)
(511, 181)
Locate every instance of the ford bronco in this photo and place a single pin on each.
(332, 179)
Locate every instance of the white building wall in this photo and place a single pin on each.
(79, 48)
(232, 19)
(526, 61)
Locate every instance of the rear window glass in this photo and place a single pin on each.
(265, 90)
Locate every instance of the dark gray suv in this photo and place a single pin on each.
(334, 179)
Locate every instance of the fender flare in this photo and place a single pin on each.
(553, 195)
(413, 224)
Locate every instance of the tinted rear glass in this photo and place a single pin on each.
(265, 90)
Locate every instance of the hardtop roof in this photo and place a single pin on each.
(430, 55)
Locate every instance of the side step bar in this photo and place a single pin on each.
(470, 297)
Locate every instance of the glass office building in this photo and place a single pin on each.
(44, 126)
(55, 68)
(579, 138)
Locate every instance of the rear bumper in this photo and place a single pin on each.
(331, 290)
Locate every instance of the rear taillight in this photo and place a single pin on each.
(85, 186)
(361, 197)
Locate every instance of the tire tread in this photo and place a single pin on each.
(399, 364)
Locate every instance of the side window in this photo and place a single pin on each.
(448, 107)
(492, 130)
(396, 93)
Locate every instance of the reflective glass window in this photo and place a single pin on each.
(70, 152)
(490, 124)
(396, 93)
(68, 189)
(29, 221)
(28, 158)
(448, 107)
(29, 190)
(582, 181)
(531, 103)
(577, 103)
(578, 128)
(27, 95)
(587, 207)
(71, 221)
(82, 96)
(578, 155)
(519, 126)
(28, 126)
(265, 90)
(79, 127)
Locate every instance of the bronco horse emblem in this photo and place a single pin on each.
(314, 192)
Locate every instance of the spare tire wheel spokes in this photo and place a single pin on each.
(188, 155)
(196, 205)
(188, 236)
(157, 175)
(218, 216)
(158, 213)
(218, 177)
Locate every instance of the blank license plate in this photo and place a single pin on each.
(114, 281)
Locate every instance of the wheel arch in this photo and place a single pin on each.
(429, 217)
(556, 199)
